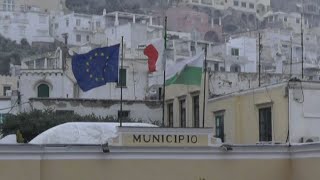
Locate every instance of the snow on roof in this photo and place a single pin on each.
(82, 133)
(9, 139)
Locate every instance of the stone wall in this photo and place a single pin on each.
(145, 111)
(224, 82)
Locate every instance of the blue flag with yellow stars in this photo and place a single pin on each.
(97, 67)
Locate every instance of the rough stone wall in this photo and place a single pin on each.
(224, 83)
(144, 111)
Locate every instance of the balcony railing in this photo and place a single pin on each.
(206, 2)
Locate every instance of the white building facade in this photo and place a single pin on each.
(80, 28)
(29, 25)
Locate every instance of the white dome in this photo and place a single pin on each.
(82, 133)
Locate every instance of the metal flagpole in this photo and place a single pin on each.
(291, 58)
(302, 59)
(204, 85)
(121, 80)
(164, 70)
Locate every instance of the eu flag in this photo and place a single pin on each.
(97, 67)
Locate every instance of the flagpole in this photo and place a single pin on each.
(302, 58)
(121, 80)
(164, 71)
(204, 85)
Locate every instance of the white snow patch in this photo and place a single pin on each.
(82, 133)
(9, 139)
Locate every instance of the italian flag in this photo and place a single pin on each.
(187, 72)
(155, 51)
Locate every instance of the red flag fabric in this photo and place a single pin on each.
(154, 52)
(153, 56)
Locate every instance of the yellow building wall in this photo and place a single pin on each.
(278, 169)
(305, 168)
(170, 169)
(241, 118)
(177, 91)
(20, 170)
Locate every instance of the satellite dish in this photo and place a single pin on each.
(71, 53)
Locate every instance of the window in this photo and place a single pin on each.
(160, 95)
(236, 3)
(56, 25)
(251, 5)
(22, 30)
(219, 118)
(5, 89)
(183, 113)
(124, 114)
(2, 117)
(285, 19)
(78, 38)
(67, 22)
(42, 19)
(122, 78)
(170, 114)
(265, 124)
(6, 29)
(216, 67)
(243, 4)
(98, 24)
(234, 51)
(216, 21)
(43, 90)
(8, 5)
(88, 38)
(196, 113)
(235, 68)
(298, 20)
(78, 22)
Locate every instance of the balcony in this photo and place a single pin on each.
(45, 39)
(207, 2)
(83, 29)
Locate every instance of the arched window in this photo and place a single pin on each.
(43, 90)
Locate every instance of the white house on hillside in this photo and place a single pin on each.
(30, 25)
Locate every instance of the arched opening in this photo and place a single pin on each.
(244, 17)
(43, 90)
(235, 68)
(251, 17)
(195, 8)
(211, 36)
(208, 11)
(217, 13)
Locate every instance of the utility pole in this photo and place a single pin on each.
(259, 58)
(204, 86)
(302, 58)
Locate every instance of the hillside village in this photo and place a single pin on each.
(253, 48)
(163, 89)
